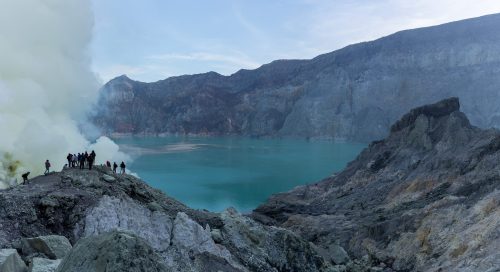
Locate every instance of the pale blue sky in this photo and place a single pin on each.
(150, 40)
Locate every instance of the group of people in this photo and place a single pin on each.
(81, 160)
(85, 159)
(115, 166)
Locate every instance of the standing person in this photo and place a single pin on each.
(47, 167)
(108, 164)
(114, 167)
(122, 168)
(25, 177)
(70, 159)
(74, 162)
(82, 161)
(92, 159)
(86, 158)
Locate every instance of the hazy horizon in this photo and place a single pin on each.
(152, 40)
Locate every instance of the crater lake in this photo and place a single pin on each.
(214, 173)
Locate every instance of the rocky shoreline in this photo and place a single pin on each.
(426, 198)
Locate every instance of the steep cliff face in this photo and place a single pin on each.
(355, 93)
(426, 198)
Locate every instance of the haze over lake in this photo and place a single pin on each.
(214, 173)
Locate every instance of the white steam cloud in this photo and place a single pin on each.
(46, 86)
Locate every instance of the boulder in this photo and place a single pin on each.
(10, 261)
(113, 251)
(187, 235)
(52, 246)
(43, 265)
(108, 178)
(338, 254)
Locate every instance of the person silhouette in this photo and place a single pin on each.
(122, 168)
(47, 167)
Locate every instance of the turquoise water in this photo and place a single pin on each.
(215, 173)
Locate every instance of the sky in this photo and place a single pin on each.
(150, 40)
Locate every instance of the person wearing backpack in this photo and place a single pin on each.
(47, 167)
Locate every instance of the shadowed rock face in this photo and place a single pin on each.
(355, 93)
(423, 199)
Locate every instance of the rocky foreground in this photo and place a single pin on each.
(424, 199)
(118, 223)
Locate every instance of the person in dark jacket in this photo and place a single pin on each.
(47, 167)
(70, 159)
(122, 168)
(82, 161)
(25, 177)
(114, 167)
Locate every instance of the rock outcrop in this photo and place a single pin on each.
(426, 198)
(112, 252)
(43, 265)
(10, 261)
(52, 246)
(354, 93)
(117, 221)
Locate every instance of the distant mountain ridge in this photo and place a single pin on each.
(354, 93)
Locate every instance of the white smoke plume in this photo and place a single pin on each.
(46, 86)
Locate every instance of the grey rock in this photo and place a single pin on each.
(123, 214)
(112, 252)
(87, 206)
(353, 93)
(216, 235)
(108, 178)
(188, 235)
(262, 248)
(426, 198)
(10, 261)
(43, 265)
(338, 254)
(52, 246)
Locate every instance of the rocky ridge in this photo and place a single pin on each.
(118, 223)
(426, 198)
(354, 93)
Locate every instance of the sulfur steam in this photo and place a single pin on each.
(46, 86)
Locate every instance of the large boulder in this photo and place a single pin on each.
(10, 261)
(262, 248)
(52, 246)
(43, 265)
(113, 251)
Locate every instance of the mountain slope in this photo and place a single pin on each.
(353, 93)
(426, 198)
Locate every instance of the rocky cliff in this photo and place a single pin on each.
(354, 93)
(426, 198)
(100, 221)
